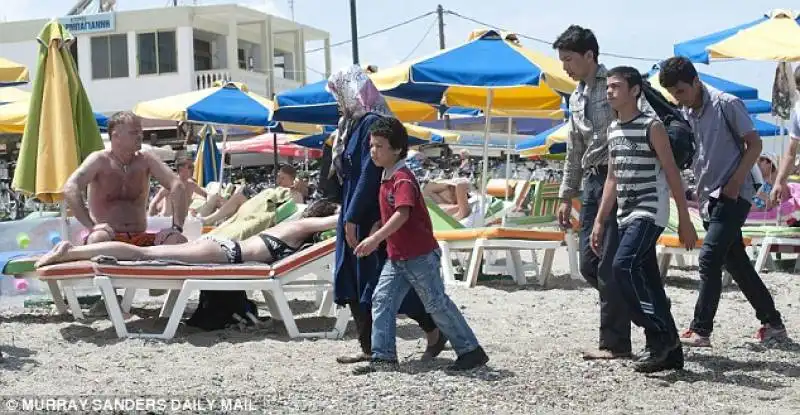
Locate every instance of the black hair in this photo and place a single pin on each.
(319, 209)
(579, 40)
(631, 75)
(676, 69)
(392, 130)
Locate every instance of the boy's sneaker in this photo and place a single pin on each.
(769, 334)
(469, 361)
(657, 361)
(377, 365)
(692, 339)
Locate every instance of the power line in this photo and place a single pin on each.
(546, 42)
(425, 36)
(377, 32)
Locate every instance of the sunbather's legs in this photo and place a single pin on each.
(462, 199)
(228, 208)
(199, 251)
(441, 193)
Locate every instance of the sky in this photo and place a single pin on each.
(627, 27)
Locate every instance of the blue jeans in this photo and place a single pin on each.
(423, 274)
(615, 323)
(723, 245)
(635, 269)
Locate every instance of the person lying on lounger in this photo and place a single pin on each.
(269, 246)
(451, 195)
(287, 177)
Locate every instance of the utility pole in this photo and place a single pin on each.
(440, 16)
(354, 30)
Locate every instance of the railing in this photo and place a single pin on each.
(256, 81)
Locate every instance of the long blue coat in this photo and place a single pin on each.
(356, 277)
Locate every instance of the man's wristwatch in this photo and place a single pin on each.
(178, 228)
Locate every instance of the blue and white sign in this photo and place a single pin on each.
(91, 23)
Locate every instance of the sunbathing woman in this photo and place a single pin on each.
(269, 246)
(451, 195)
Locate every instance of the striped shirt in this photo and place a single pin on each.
(587, 144)
(642, 190)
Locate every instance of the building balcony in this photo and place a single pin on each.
(256, 81)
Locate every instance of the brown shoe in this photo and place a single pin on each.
(605, 354)
(348, 360)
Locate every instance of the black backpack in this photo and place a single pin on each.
(220, 309)
(681, 137)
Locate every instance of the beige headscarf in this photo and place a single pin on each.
(356, 96)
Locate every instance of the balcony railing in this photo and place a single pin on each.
(255, 81)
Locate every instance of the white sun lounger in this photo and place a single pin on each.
(308, 270)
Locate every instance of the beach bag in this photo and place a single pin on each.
(220, 309)
(681, 137)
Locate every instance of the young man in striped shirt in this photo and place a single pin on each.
(641, 174)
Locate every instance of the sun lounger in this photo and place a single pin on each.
(308, 270)
(478, 240)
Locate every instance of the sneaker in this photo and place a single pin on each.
(769, 334)
(657, 361)
(435, 349)
(469, 361)
(691, 339)
(377, 365)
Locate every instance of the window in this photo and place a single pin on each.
(202, 55)
(109, 56)
(157, 53)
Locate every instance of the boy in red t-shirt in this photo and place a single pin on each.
(414, 257)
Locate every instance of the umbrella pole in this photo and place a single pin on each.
(485, 174)
(224, 150)
(781, 125)
(508, 168)
(275, 155)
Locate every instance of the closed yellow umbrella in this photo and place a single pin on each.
(60, 130)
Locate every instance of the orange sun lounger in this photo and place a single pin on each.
(307, 270)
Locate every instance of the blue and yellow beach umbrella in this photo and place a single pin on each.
(775, 36)
(519, 78)
(230, 104)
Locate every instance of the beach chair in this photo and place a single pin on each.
(453, 236)
(308, 271)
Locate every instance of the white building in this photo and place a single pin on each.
(130, 56)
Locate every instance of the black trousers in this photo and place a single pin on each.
(615, 321)
(363, 321)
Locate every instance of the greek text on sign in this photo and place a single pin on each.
(90, 23)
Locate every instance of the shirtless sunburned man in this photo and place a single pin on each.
(117, 183)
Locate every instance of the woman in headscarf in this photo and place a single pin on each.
(360, 104)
